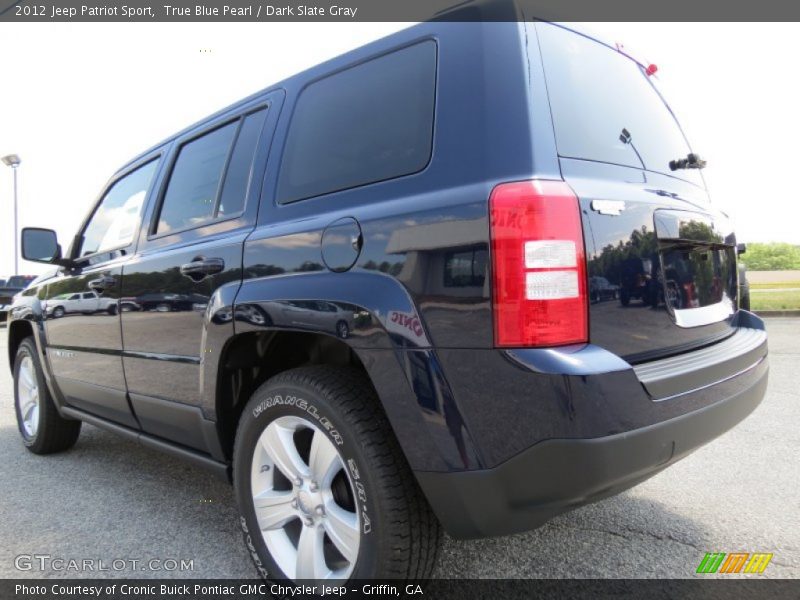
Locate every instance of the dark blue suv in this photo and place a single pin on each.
(365, 295)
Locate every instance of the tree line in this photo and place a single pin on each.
(775, 256)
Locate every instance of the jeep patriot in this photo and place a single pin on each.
(364, 296)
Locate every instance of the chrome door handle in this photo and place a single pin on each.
(200, 268)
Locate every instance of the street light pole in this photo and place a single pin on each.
(13, 161)
(16, 227)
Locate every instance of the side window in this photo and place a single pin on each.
(365, 124)
(205, 184)
(113, 224)
(192, 189)
(234, 190)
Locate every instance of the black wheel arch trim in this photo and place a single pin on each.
(386, 332)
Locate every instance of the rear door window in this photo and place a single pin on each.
(191, 195)
(604, 106)
(210, 177)
(237, 179)
(365, 124)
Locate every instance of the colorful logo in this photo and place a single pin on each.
(735, 562)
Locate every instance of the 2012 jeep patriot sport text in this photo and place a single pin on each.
(363, 295)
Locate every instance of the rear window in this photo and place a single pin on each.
(365, 124)
(604, 106)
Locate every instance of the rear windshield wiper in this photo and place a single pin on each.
(692, 161)
(626, 138)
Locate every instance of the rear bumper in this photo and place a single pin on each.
(557, 475)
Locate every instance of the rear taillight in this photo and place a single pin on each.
(538, 265)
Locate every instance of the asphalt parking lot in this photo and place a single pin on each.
(109, 499)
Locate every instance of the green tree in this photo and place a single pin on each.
(774, 256)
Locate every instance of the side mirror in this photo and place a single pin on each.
(741, 248)
(41, 245)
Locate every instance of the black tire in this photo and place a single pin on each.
(400, 535)
(58, 312)
(342, 330)
(624, 297)
(54, 433)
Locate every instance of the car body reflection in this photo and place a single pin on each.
(85, 303)
(601, 289)
(336, 318)
(164, 302)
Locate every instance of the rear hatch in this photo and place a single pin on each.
(668, 257)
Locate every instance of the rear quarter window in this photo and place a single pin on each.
(365, 124)
(604, 107)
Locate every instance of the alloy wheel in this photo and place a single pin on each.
(28, 396)
(304, 501)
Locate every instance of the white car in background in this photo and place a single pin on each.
(80, 302)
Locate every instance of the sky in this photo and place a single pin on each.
(77, 100)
